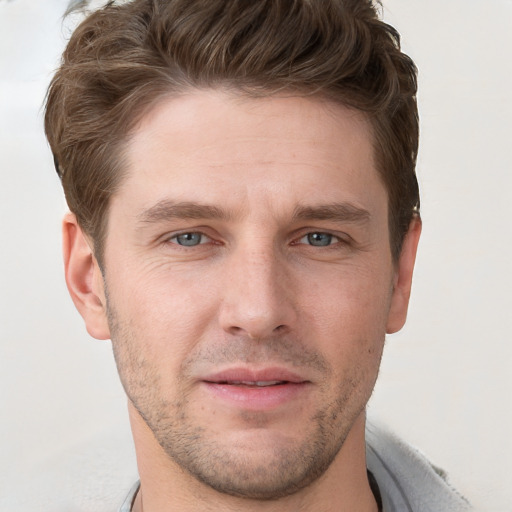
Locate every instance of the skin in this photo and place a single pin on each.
(286, 271)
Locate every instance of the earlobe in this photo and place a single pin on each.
(84, 279)
(403, 278)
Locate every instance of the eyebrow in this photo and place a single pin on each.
(168, 209)
(338, 212)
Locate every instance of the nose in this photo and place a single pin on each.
(257, 295)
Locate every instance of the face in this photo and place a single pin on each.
(249, 284)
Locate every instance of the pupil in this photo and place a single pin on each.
(189, 239)
(319, 239)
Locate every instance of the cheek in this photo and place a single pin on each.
(348, 318)
(161, 315)
(351, 306)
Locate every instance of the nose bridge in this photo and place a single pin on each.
(256, 298)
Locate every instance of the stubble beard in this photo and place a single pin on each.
(223, 466)
(229, 468)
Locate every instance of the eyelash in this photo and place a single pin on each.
(176, 236)
(332, 239)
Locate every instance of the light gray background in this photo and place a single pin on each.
(446, 379)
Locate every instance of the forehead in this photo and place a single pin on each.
(212, 146)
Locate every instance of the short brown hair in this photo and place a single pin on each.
(123, 58)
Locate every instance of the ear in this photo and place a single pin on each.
(403, 278)
(84, 279)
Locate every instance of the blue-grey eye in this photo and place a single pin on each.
(319, 239)
(189, 239)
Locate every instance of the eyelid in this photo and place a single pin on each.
(337, 236)
(194, 232)
(334, 238)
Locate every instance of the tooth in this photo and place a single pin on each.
(267, 383)
(259, 383)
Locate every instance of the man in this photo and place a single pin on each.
(244, 223)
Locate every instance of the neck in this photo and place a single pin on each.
(165, 487)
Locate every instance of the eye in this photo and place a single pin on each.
(319, 239)
(189, 239)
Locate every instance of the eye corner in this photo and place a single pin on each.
(323, 239)
(317, 238)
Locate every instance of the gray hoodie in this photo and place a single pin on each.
(406, 480)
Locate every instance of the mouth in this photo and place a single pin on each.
(269, 376)
(252, 384)
(257, 389)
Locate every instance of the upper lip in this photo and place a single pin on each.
(254, 375)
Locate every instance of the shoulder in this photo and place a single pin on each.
(407, 480)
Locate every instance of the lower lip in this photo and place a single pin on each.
(258, 398)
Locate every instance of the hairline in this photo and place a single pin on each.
(119, 154)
